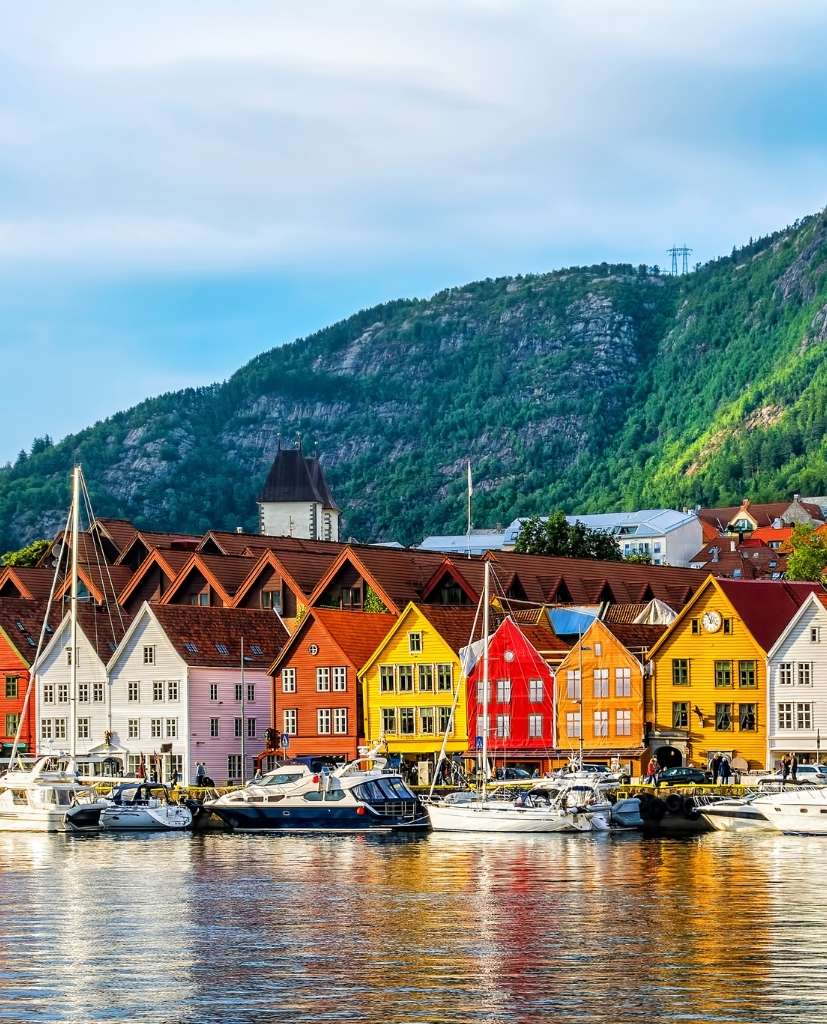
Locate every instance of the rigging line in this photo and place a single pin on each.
(92, 520)
(30, 684)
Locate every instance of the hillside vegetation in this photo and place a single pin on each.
(588, 389)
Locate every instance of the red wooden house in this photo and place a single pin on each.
(20, 623)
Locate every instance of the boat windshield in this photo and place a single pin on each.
(379, 790)
(280, 779)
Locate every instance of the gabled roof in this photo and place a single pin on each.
(31, 582)
(356, 634)
(817, 599)
(295, 477)
(635, 636)
(229, 542)
(224, 573)
(455, 625)
(104, 582)
(169, 561)
(152, 539)
(397, 575)
(764, 513)
(21, 620)
(119, 531)
(765, 606)
(508, 633)
(195, 633)
(300, 570)
(468, 577)
(103, 626)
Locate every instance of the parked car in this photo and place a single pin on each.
(814, 773)
(514, 774)
(683, 777)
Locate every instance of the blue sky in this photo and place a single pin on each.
(184, 185)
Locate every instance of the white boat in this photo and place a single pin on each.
(735, 815)
(797, 812)
(36, 800)
(145, 807)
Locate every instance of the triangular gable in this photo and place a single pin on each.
(144, 613)
(60, 637)
(686, 612)
(407, 612)
(156, 558)
(268, 559)
(349, 557)
(812, 601)
(196, 564)
(448, 571)
(597, 628)
(10, 580)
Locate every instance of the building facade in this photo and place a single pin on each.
(20, 624)
(295, 500)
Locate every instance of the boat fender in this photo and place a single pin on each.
(657, 811)
(690, 810)
(674, 803)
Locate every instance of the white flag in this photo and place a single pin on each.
(470, 485)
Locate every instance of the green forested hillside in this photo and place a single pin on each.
(588, 388)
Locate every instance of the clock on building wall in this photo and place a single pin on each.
(711, 621)
(313, 649)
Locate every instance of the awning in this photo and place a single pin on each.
(6, 748)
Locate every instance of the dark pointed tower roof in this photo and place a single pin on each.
(295, 477)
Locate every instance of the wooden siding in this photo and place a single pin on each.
(12, 666)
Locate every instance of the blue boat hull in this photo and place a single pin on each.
(247, 818)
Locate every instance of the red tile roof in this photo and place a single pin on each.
(454, 625)
(22, 620)
(120, 531)
(28, 580)
(233, 543)
(357, 634)
(766, 607)
(194, 633)
(635, 636)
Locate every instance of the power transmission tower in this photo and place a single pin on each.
(684, 252)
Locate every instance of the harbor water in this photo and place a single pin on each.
(607, 928)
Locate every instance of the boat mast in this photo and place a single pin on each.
(485, 608)
(73, 611)
(243, 723)
(580, 700)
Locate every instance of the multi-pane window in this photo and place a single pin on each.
(573, 723)
(149, 655)
(623, 723)
(386, 680)
(251, 693)
(48, 693)
(535, 727)
(158, 690)
(83, 728)
(340, 678)
(480, 691)
(444, 678)
(251, 728)
(503, 726)
(747, 674)
(573, 684)
(290, 721)
(407, 722)
(598, 649)
(133, 691)
(69, 656)
(803, 716)
(324, 719)
(340, 721)
(723, 717)
(680, 671)
(728, 626)
(785, 673)
(805, 673)
(601, 682)
(444, 719)
(46, 728)
(172, 689)
(238, 727)
(288, 680)
(785, 715)
(171, 728)
(426, 678)
(389, 720)
(723, 674)
(623, 682)
(63, 693)
(322, 679)
(415, 643)
(680, 714)
(535, 691)
(133, 728)
(748, 717)
(405, 678)
(213, 693)
(601, 723)
(12, 722)
(426, 721)
(60, 728)
(156, 728)
(815, 634)
(503, 691)
(233, 767)
(97, 693)
(215, 728)
(83, 693)
(239, 692)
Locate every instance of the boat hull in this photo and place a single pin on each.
(33, 819)
(734, 817)
(485, 818)
(145, 819)
(251, 817)
(802, 812)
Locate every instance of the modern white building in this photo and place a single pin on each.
(295, 500)
(797, 685)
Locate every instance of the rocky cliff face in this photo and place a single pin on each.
(587, 388)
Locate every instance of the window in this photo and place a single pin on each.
(270, 599)
(251, 728)
(480, 691)
(598, 650)
(573, 723)
(623, 723)
(251, 693)
(444, 719)
(149, 655)
(680, 715)
(748, 717)
(386, 684)
(322, 680)
(389, 720)
(172, 689)
(573, 684)
(623, 682)
(351, 597)
(340, 678)
(445, 678)
(340, 721)
(12, 722)
(815, 634)
(238, 726)
(83, 728)
(171, 728)
(133, 728)
(222, 649)
(695, 626)
(785, 716)
(288, 680)
(60, 728)
(727, 627)
(535, 691)
(202, 599)
(157, 690)
(213, 693)
(426, 678)
(503, 691)
(601, 723)
(290, 721)
(63, 693)
(680, 671)
(45, 728)
(256, 650)
(239, 692)
(215, 728)
(233, 767)
(415, 643)
(97, 693)
(426, 721)
(83, 693)
(535, 727)
(723, 674)
(785, 673)
(155, 728)
(133, 691)
(805, 673)
(601, 682)
(407, 725)
(804, 716)
(746, 674)
(69, 656)
(190, 647)
(723, 717)
(405, 678)
(503, 726)
(48, 693)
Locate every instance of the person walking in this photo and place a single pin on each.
(794, 768)
(785, 768)
(200, 772)
(651, 771)
(724, 771)
(716, 768)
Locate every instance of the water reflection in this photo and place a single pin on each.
(440, 928)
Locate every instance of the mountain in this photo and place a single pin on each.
(587, 388)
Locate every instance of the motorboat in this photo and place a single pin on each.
(360, 796)
(143, 806)
(734, 815)
(797, 812)
(36, 799)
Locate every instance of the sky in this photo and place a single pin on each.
(185, 185)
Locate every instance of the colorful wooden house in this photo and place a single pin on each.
(709, 691)
(410, 682)
(153, 578)
(21, 621)
(317, 699)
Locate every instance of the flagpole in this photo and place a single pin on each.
(470, 492)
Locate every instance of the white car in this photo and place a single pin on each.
(813, 773)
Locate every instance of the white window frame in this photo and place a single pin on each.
(623, 722)
(786, 673)
(340, 721)
(623, 682)
(157, 691)
(322, 679)
(503, 691)
(288, 680)
(171, 728)
(785, 715)
(535, 726)
(387, 675)
(415, 643)
(600, 724)
(48, 693)
(574, 684)
(213, 693)
(84, 727)
(98, 692)
(574, 724)
(600, 682)
(804, 673)
(149, 654)
(503, 726)
(133, 691)
(324, 721)
(173, 690)
(536, 691)
(83, 693)
(290, 721)
(133, 728)
(215, 728)
(156, 728)
(338, 681)
(388, 715)
(251, 728)
(804, 716)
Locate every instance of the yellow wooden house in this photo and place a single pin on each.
(409, 683)
(709, 693)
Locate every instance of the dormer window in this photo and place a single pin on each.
(222, 649)
(190, 647)
(415, 643)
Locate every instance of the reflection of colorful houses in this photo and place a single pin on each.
(520, 699)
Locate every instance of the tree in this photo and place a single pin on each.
(554, 536)
(30, 555)
(808, 558)
(639, 558)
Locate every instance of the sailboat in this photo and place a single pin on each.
(547, 807)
